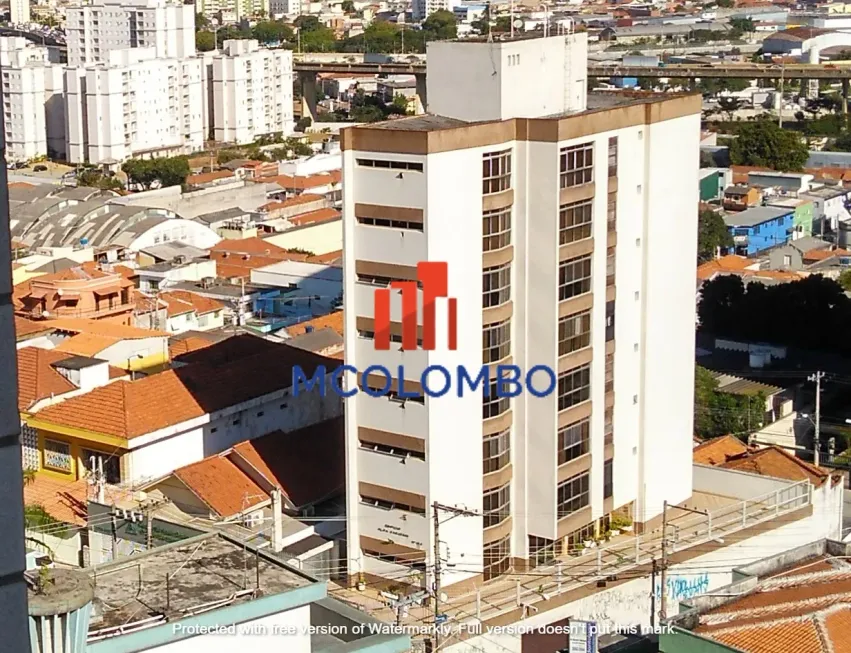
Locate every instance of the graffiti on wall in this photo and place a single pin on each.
(682, 588)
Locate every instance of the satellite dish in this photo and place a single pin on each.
(443, 597)
(518, 23)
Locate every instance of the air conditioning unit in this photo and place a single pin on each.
(253, 520)
(208, 282)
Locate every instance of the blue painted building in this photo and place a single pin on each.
(760, 228)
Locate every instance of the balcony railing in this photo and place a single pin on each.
(101, 311)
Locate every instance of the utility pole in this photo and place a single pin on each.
(816, 378)
(653, 595)
(456, 512)
(663, 599)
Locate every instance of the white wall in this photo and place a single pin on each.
(318, 238)
(186, 231)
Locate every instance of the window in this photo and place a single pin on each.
(110, 464)
(493, 405)
(391, 505)
(607, 479)
(610, 372)
(610, 321)
(572, 495)
(574, 542)
(576, 165)
(496, 452)
(496, 285)
(541, 550)
(573, 441)
(613, 156)
(612, 212)
(496, 172)
(390, 165)
(574, 221)
(610, 266)
(393, 224)
(574, 332)
(574, 277)
(496, 505)
(57, 455)
(391, 451)
(609, 426)
(496, 342)
(394, 337)
(374, 280)
(496, 229)
(497, 558)
(574, 387)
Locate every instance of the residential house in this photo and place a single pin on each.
(321, 335)
(795, 601)
(799, 253)
(162, 422)
(713, 182)
(788, 183)
(307, 233)
(208, 179)
(803, 208)
(227, 219)
(249, 169)
(327, 184)
(323, 282)
(830, 207)
(760, 228)
(235, 259)
(85, 291)
(186, 311)
(294, 206)
(32, 333)
(778, 401)
(729, 264)
(126, 347)
(790, 41)
(741, 197)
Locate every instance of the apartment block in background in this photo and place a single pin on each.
(19, 12)
(252, 92)
(568, 222)
(96, 29)
(134, 105)
(33, 100)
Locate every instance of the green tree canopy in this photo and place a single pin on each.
(719, 413)
(272, 31)
(841, 144)
(314, 36)
(169, 171)
(712, 233)
(348, 6)
(764, 144)
(205, 41)
(201, 22)
(93, 178)
(440, 26)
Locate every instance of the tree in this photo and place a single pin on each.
(201, 22)
(719, 413)
(725, 4)
(763, 143)
(348, 7)
(712, 234)
(303, 123)
(841, 144)
(167, 171)
(743, 25)
(440, 26)
(729, 105)
(399, 105)
(272, 31)
(93, 178)
(845, 280)
(313, 35)
(205, 41)
(503, 24)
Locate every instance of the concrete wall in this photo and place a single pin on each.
(317, 238)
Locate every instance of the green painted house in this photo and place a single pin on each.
(713, 181)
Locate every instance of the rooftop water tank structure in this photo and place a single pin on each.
(60, 605)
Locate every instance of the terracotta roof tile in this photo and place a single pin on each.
(248, 246)
(295, 182)
(25, 327)
(104, 328)
(725, 264)
(329, 258)
(64, 501)
(207, 177)
(717, 450)
(304, 198)
(200, 304)
(308, 464)
(132, 408)
(824, 254)
(86, 344)
(183, 346)
(221, 485)
(315, 217)
(37, 378)
(791, 637)
(331, 321)
(777, 463)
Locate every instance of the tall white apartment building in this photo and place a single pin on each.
(568, 223)
(422, 9)
(19, 12)
(134, 105)
(33, 101)
(93, 30)
(252, 92)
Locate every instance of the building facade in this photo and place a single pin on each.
(252, 92)
(134, 104)
(569, 229)
(33, 100)
(94, 30)
(20, 12)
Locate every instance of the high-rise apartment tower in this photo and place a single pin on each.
(568, 223)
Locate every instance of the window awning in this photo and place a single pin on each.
(111, 290)
(40, 293)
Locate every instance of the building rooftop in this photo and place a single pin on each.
(169, 251)
(754, 216)
(317, 340)
(333, 321)
(200, 571)
(37, 376)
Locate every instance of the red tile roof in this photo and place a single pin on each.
(248, 246)
(315, 217)
(308, 464)
(129, 409)
(331, 321)
(181, 301)
(183, 346)
(717, 450)
(723, 265)
(25, 327)
(293, 182)
(64, 501)
(37, 378)
(221, 485)
(304, 198)
(329, 258)
(207, 177)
